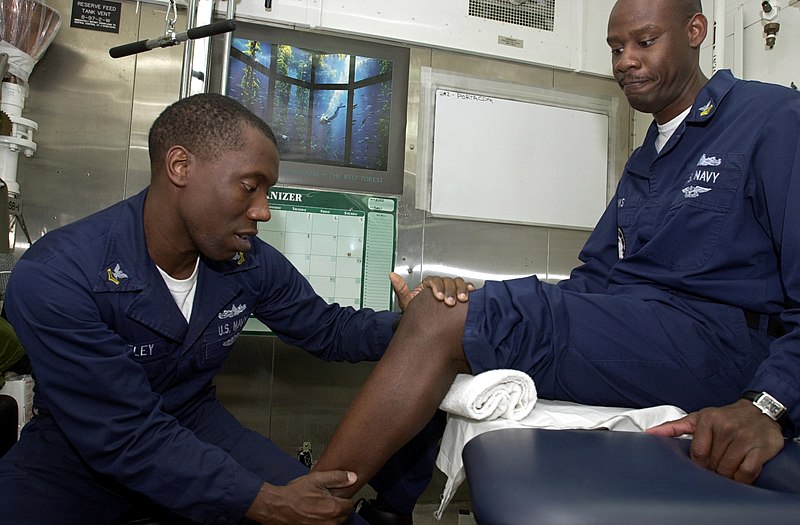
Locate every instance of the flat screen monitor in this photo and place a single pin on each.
(337, 105)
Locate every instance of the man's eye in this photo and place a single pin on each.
(646, 43)
(248, 188)
(616, 51)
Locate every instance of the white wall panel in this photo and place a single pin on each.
(596, 53)
(446, 24)
(303, 13)
(780, 64)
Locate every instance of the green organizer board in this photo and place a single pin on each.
(343, 243)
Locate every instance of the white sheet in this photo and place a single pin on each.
(546, 414)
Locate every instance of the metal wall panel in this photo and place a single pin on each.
(81, 100)
(158, 81)
(245, 385)
(88, 105)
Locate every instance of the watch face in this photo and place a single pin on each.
(770, 406)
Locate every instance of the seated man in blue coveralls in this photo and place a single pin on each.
(690, 284)
(120, 314)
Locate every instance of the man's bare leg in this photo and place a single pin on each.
(403, 391)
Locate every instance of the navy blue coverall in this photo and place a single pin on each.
(698, 239)
(124, 387)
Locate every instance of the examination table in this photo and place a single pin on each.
(530, 476)
(533, 476)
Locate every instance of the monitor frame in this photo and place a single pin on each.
(321, 173)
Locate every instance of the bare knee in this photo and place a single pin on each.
(433, 327)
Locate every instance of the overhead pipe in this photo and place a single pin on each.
(718, 44)
(226, 55)
(188, 51)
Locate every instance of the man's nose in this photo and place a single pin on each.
(260, 211)
(627, 59)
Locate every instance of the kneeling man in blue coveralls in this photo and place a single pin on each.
(120, 314)
(689, 291)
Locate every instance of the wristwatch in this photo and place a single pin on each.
(768, 405)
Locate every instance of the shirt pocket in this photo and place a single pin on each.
(698, 209)
(627, 206)
(152, 356)
(217, 345)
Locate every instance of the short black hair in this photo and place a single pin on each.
(207, 124)
(691, 7)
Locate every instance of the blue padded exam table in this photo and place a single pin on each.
(531, 476)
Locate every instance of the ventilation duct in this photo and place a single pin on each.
(538, 14)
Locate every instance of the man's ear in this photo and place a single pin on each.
(177, 164)
(697, 30)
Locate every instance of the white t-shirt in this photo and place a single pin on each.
(665, 131)
(182, 290)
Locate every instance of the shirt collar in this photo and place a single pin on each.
(127, 266)
(708, 100)
(704, 108)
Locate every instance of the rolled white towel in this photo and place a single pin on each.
(490, 395)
